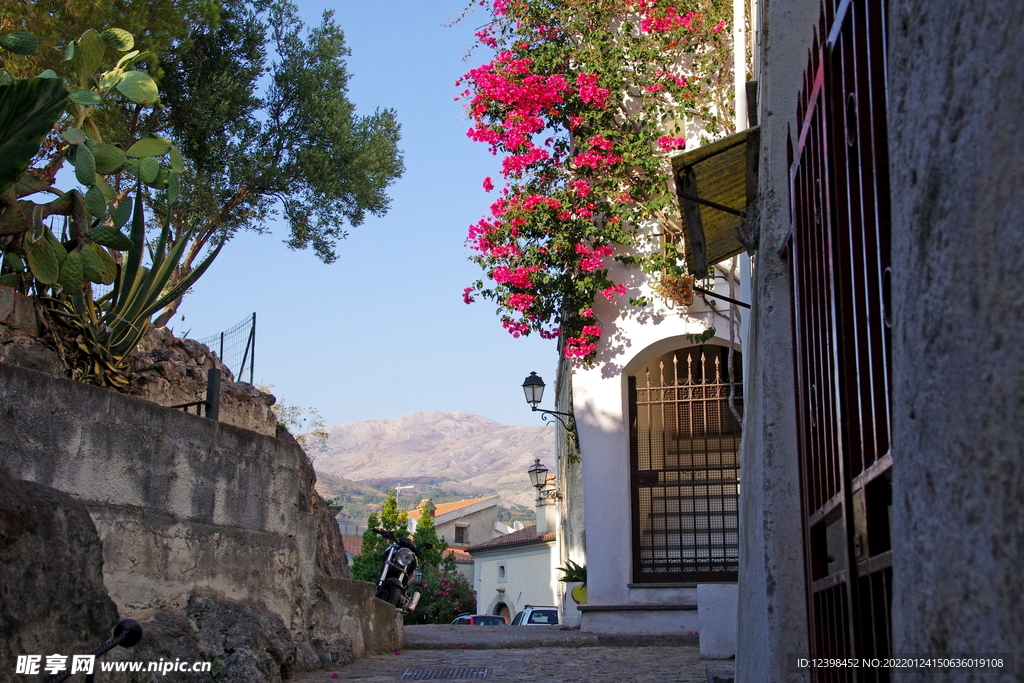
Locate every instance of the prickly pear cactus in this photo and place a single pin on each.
(20, 42)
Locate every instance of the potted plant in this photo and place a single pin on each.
(675, 288)
(575, 580)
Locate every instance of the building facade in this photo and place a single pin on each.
(881, 443)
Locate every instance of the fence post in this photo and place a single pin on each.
(252, 361)
(213, 394)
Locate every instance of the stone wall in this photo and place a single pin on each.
(956, 92)
(772, 605)
(51, 575)
(162, 369)
(200, 521)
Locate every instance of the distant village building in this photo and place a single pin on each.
(461, 524)
(516, 570)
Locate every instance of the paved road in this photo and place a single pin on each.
(528, 654)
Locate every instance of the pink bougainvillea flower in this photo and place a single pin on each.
(581, 187)
(668, 143)
(488, 184)
(615, 290)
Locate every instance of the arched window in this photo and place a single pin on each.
(684, 443)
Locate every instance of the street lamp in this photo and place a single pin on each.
(539, 478)
(538, 474)
(533, 387)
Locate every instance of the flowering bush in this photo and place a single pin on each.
(444, 595)
(583, 100)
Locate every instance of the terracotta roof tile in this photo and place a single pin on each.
(353, 544)
(461, 556)
(525, 535)
(445, 508)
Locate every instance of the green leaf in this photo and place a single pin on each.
(85, 164)
(150, 146)
(74, 136)
(101, 184)
(122, 213)
(10, 280)
(138, 87)
(28, 109)
(14, 261)
(161, 181)
(173, 188)
(149, 169)
(94, 203)
(126, 60)
(20, 42)
(98, 265)
(69, 52)
(49, 73)
(109, 158)
(119, 39)
(88, 56)
(110, 236)
(43, 259)
(87, 98)
(72, 272)
(110, 79)
(177, 161)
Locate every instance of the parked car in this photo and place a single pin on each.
(536, 616)
(481, 620)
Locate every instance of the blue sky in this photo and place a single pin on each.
(383, 331)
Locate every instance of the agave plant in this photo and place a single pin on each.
(109, 327)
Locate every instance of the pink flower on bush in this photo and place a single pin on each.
(590, 92)
(521, 302)
(601, 142)
(519, 278)
(581, 187)
(466, 298)
(668, 143)
(488, 184)
(615, 290)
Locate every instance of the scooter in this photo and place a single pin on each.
(397, 572)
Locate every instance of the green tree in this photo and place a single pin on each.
(294, 147)
(299, 151)
(426, 534)
(366, 565)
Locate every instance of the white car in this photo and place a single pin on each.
(536, 616)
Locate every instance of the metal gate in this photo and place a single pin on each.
(684, 443)
(840, 263)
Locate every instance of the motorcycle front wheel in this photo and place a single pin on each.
(393, 595)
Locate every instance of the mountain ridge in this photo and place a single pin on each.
(463, 452)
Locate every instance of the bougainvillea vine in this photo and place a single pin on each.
(584, 100)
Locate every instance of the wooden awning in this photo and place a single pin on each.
(715, 184)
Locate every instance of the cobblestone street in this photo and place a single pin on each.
(518, 655)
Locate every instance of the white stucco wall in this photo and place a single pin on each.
(632, 337)
(530, 577)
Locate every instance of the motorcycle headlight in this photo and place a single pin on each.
(404, 557)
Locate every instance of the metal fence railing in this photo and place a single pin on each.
(236, 347)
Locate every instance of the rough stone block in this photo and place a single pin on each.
(52, 597)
